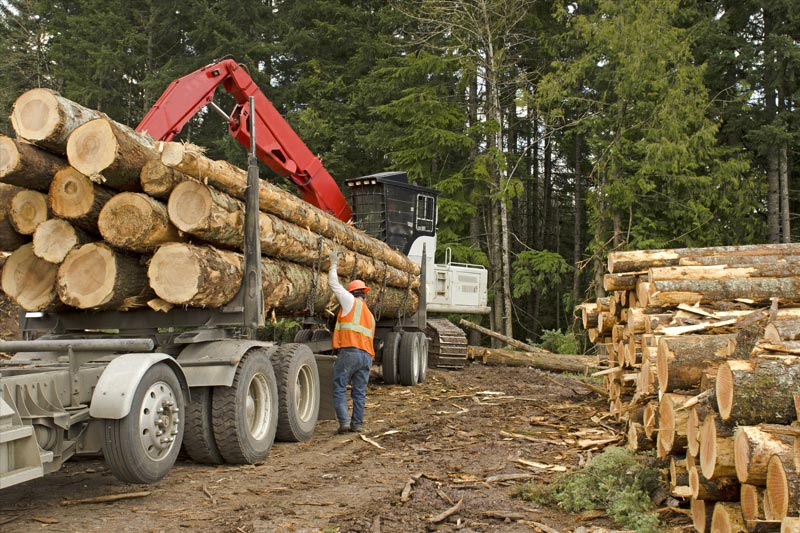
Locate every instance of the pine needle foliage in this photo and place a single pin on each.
(617, 482)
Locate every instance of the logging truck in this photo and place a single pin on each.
(136, 384)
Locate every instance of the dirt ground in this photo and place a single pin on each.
(464, 441)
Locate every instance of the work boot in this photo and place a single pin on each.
(343, 428)
(355, 428)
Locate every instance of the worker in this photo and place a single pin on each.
(353, 338)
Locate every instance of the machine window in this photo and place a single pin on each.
(425, 213)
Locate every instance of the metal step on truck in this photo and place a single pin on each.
(136, 386)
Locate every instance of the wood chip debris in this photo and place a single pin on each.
(541, 466)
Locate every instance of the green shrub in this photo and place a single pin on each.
(556, 341)
(615, 482)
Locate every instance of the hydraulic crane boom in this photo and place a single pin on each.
(277, 144)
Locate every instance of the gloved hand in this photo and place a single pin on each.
(334, 259)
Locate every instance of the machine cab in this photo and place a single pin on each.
(404, 216)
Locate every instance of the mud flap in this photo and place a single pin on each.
(325, 369)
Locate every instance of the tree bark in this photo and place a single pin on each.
(641, 260)
(782, 488)
(682, 360)
(158, 180)
(753, 449)
(94, 276)
(694, 423)
(78, 199)
(10, 238)
(27, 166)
(136, 222)
(110, 153)
(511, 342)
(30, 281)
(55, 238)
(727, 518)
(560, 363)
(28, 210)
(759, 390)
(219, 219)
(44, 118)
(724, 489)
(232, 180)
(184, 274)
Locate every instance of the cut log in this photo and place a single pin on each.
(762, 526)
(508, 340)
(727, 518)
(621, 282)
(782, 488)
(158, 180)
(55, 238)
(232, 180)
(546, 361)
(751, 497)
(678, 472)
(28, 210)
(722, 489)
(753, 449)
(650, 419)
(638, 260)
(27, 166)
(77, 199)
(682, 360)
(702, 511)
(110, 153)
(136, 222)
(790, 524)
(184, 274)
(218, 219)
(717, 457)
(758, 390)
(589, 312)
(10, 238)
(30, 281)
(675, 285)
(638, 441)
(671, 424)
(44, 118)
(694, 423)
(94, 276)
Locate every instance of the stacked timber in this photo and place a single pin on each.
(702, 355)
(98, 216)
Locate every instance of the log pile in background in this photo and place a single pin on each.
(702, 348)
(120, 221)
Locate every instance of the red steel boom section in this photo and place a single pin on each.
(277, 144)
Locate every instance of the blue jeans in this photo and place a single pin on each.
(352, 366)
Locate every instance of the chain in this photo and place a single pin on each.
(315, 272)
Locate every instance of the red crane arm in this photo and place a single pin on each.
(277, 144)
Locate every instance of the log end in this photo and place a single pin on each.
(701, 511)
(750, 498)
(36, 115)
(92, 147)
(71, 193)
(10, 158)
(28, 210)
(189, 205)
(131, 221)
(724, 390)
(741, 453)
(53, 239)
(86, 277)
(777, 488)
(172, 153)
(29, 280)
(174, 273)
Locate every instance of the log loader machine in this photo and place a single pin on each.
(138, 385)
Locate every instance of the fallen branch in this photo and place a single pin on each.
(369, 440)
(443, 516)
(108, 498)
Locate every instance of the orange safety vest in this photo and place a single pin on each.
(356, 329)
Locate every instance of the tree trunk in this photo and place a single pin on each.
(44, 118)
(219, 219)
(158, 180)
(759, 390)
(671, 424)
(184, 274)
(724, 489)
(28, 210)
(10, 238)
(694, 423)
(507, 340)
(637, 439)
(55, 238)
(232, 180)
(110, 153)
(753, 449)
(682, 360)
(27, 166)
(30, 281)
(94, 276)
(751, 498)
(782, 488)
(77, 199)
(727, 518)
(642, 260)
(702, 512)
(717, 457)
(136, 222)
(560, 363)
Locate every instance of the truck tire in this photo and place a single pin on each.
(389, 366)
(198, 436)
(143, 446)
(303, 335)
(423, 357)
(298, 392)
(245, 415)
(408, 358)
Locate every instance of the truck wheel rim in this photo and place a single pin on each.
(158, 420)
(304, 398)
(258, 407)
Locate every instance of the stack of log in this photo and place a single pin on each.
(98, 216)
(702, 348)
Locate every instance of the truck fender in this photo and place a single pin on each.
(113, 394)
(214, 363)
